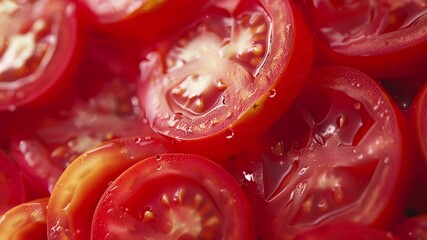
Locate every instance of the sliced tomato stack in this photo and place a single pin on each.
(226, 119)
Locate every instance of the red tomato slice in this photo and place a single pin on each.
(76, 194)
(174, 196)
(44, 154)
(11, 184)
(340, 153)
(385, 38)
(25, 221)
(38, 49)
(344, 230)
(419, 119)
(227, 77)
(139, 22)
(412, 229)
(106, 108)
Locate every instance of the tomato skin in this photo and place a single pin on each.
(11, 184)
(139, 23)
(384, 41)
(25, 221)
(52, 77)
(76, 194)
(418, 115)
(345, 230)
(252, 104)
(314, 165)
(189, 186)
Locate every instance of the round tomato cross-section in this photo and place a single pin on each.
(340, 153)
(419, 119)
(384, 38)
(38, 49)
(226, 77)
(25, 221)
(78, 190)
(174, 196)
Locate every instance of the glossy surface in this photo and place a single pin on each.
(173, 196)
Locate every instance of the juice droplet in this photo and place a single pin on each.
(159, 167)
(272, 93)
(229, 133)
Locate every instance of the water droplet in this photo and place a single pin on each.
(229, 133)
(248, 176)
(357, 106)
(303, 170)
(159, 166)
(137, 140)
(11, 108)
(272, 93)
(158, 157)
(386, 160)
(323, 205)
(340, 121)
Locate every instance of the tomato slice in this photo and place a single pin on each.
(237, 67)
(138, 22)
(25, 221)
(418, 113)
(106, 108)
(38, 49)
(174, 196)
(76, 194)
(345, 230)
(340, 153)
(384, 38)
(11, 184)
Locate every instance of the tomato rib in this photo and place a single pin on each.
(224, 79)
(174, 196)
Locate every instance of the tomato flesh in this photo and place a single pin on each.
(38, 43)
(173, 196)
(326, 158)
(76, 194)
(419, 119)
(345, 230)
(224, 74)
(46, 144)
(386, 38)
(25, 221)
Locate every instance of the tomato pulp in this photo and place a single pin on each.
(384, 38)
(174, 196)
(224, 79)
(39, 46)
(339, 154)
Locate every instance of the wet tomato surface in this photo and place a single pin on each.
(234, 69)
(218, 119)
(326, 159)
